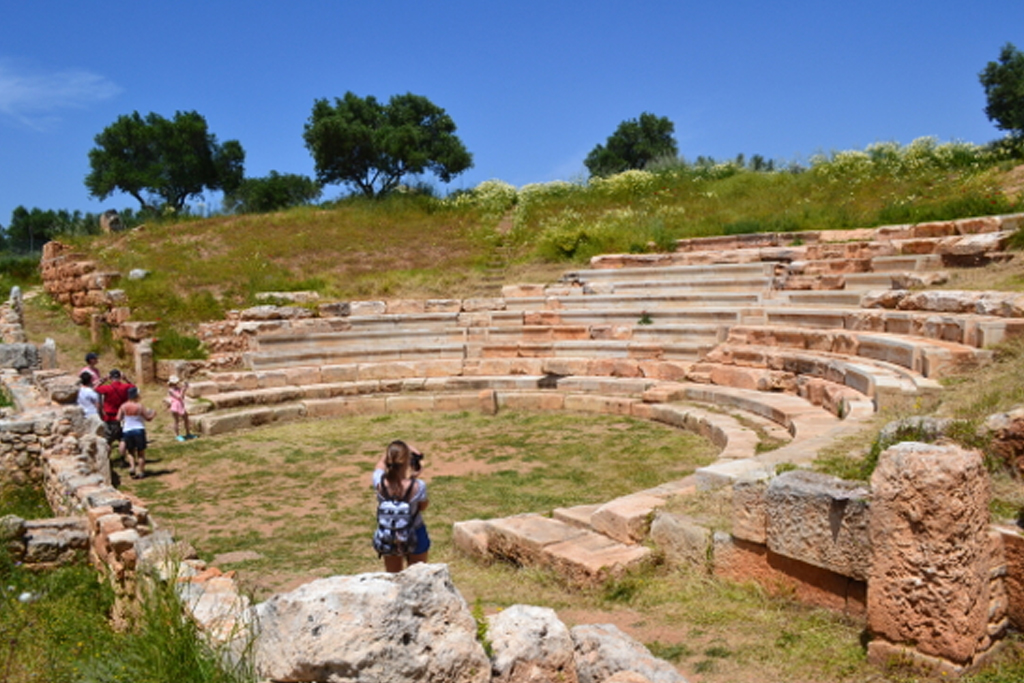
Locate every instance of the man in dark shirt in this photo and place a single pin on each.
(114, 392)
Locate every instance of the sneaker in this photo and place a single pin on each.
(192, 436)
(180, 437)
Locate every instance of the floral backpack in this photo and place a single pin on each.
(395, 517)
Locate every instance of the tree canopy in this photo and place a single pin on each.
(275, 192)
(1003, 82)
(161, 161)
(372, 146)
(633, 145)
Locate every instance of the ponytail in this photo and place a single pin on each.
(396, 462)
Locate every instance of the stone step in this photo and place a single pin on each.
(670, 272)
(906, 262)
(863, 281)
(582, 556)
(633, 301)
(927, 357)
(830, 298)
(595, 350)
(801, 451)
(262, 360)
(695, 284)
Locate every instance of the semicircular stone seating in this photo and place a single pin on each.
(792, 338)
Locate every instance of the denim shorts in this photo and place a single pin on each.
(135, 440)
(422, 541)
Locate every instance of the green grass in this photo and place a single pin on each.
(27, 502)
(299, 495)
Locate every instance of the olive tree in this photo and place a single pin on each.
(1003, 82)
(633, 145)
(162, 161)
(371, 145)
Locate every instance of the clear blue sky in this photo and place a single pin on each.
(532, 86)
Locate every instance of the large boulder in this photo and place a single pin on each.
(530, 645)
(410, 626)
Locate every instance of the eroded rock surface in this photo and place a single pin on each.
(411, 626)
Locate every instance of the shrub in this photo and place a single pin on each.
(173, 345)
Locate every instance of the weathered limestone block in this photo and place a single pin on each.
(268, 312)
(19, 357)
(626, 519)
(405, 306)
(470, 536)
(483, 304)
(411, 626)
(334, 309)
(928, 587)
(530, 645)
(683, 541)
(749, 510)
(602, 650)
(820, 520)
(361, 308)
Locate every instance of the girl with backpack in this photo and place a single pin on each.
(401, 534)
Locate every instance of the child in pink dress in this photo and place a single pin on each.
(176, 403)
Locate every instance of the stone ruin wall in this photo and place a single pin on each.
(913, 554)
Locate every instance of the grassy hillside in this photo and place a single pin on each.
(416, 245)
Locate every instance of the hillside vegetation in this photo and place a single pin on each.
(413, 244)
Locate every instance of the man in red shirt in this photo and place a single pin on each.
(114, 392)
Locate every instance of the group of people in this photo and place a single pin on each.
(401, 537)
(115, 401)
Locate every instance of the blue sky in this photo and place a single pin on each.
(532, 86)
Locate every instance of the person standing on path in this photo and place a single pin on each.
(134, 416)
(88, 399)
(114, 392)
(176, 390)
(395, 480)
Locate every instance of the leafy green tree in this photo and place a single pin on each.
(275, 192)
(633, 145)
(1004, 89)
(161, 161)
(372, 146)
